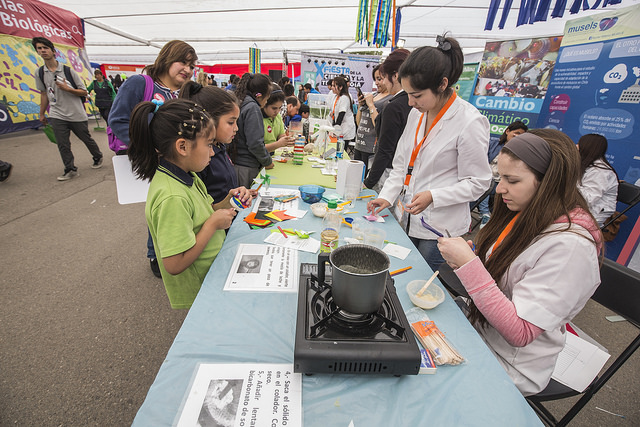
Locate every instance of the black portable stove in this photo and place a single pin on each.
(330, 340)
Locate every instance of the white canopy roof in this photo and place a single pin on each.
(221, 31)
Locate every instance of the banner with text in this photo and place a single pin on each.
(31, 18)
(318, 69)
(595, 88)
(513, 80)
(19, 22)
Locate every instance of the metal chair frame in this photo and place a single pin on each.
(619, 291)
(628, 194)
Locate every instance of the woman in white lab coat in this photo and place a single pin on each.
(599, 184)
(440, 164)
(536, 263)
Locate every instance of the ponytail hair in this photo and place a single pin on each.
(214, 100)
(427, 66)
(153, 133)
(254, 85)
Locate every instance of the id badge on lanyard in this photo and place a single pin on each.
(400, 212)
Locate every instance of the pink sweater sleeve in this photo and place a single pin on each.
(499, 311)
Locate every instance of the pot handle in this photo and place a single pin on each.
(323, 258)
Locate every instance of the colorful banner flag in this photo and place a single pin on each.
(254, 60)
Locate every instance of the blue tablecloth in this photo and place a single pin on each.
(244, 327)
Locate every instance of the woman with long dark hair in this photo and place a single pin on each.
(390, 123)
(536, 263)
(342, 112)
(599, 183)
(515, 128)
(369, 109)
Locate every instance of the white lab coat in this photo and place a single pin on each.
(549, 283)
(599, 187)
(452, 164)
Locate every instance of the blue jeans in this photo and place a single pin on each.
(483, 207)
(151, 252)
(429, 251)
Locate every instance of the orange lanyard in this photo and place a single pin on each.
(504, 233)
(333, 111)
(417, 146)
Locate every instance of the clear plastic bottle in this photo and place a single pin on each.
(330, 228)
(340, 147)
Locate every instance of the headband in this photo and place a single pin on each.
(533, 150)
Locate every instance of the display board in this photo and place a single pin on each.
(512, 81)
(595, 88)
(318, 69)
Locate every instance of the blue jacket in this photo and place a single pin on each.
(494, 148)
(130, 94)
(248, 145)
(219, 176)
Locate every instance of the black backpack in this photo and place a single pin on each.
(67, 75)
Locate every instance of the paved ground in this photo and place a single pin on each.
(85, 326)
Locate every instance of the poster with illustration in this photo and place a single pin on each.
(464, 86)
(595, 88)
(513, 79)
(19, 62)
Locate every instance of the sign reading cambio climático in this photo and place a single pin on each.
(32, 18)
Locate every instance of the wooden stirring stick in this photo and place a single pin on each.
(426, 285)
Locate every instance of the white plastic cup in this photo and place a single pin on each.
(375, 236)
(351, 192)
(359, 228)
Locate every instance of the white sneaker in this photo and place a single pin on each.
(68, 175)
(485, 220)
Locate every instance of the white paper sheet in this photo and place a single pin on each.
(130, 189)
(263, 268)
(236, 395)
(578, 363)
(294, 242)
(396, 251)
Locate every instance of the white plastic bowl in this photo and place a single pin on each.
(430, 298)
(319, 209)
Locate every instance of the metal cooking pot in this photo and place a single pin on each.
(359, 277)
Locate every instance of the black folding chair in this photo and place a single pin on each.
(619, 291)
(628, 194)
(475, 223)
